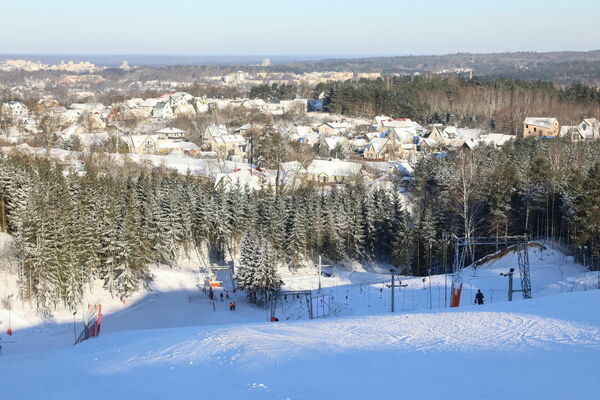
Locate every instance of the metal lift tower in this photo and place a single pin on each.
(464, 245)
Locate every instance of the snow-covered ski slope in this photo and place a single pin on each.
(162, 345)
(546, 348)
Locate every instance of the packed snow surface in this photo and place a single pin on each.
(544, 348)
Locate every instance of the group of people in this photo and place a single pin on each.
(226, 295)
(232, 306)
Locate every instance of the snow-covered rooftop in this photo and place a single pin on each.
(334, 167)
(544, 122)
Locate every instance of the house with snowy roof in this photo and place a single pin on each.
(179, 147)
(15, 110)
(429, 145)
(171, 134)
(333, 171)
(163, 110)
(308, 137)
(588, 129)
(291, 174)
(328, 145)
(334, 128)
(492, 139)
(451, 136)
(384, 149)
(398, 123)
(540, 127)
(359, 144)
(378, 121)
(405, 134)
(142, 144)
(245, 177)
(218, 139)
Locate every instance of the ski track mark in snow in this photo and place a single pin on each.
(461, 331)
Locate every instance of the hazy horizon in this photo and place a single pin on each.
(110, 60)
(334, 29)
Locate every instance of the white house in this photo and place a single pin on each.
(142, 144)
(588, 129)
(15, 109)
(334, 171)
(163, 110)
(218, 139)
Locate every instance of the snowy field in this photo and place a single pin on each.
(172, 341)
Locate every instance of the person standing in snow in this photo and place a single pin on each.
(479, 297)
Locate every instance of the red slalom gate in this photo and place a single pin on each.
(455, 295)
(94, 329)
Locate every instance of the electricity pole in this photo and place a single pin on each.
(444, 235)
(320, 267)
(319, 272)
(392, 271)
(393, 286)
(510, 283)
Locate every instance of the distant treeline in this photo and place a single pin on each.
(561, 67)
(494, 104)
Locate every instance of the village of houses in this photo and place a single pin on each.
(382, 150)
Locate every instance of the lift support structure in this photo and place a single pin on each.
(464, 245)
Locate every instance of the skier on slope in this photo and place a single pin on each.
(479, 297)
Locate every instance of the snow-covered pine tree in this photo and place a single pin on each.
(277, 223)
(400, 250)
(356, 229)
(370, 221)
(315, 223)
(249, 258)
(266, 279)
(295, 244)
(108, 219)
(200, 219)
(425, 236)
(164, 240)
(334, 242)
(220, 227)
(130, 260)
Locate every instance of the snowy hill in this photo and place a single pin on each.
(172, 341)
(545, 348)
(174, 299)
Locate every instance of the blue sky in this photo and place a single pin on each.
(270, 27)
